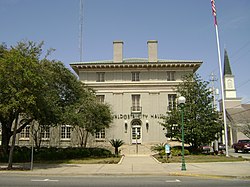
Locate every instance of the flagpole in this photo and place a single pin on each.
(221, 78)
(222, 91)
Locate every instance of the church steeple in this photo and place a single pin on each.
(231, 99)
(230, 91)
(227, 68)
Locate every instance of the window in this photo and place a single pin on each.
(25, 133)
(135, 76)
(65, 132)
(45, 133)
(100, 134)
(136, 103)
(170, 76)
(171, 101)
(100, 77)
(100, 98)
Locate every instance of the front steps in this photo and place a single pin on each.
(131, 149)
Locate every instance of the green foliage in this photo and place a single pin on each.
(158, 148)
(23, 154)
(89, 115)
(201, 120)
(176, 151)
(33, 88)
(116, 143)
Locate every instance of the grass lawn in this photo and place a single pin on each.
(91, 160)
(200, 158)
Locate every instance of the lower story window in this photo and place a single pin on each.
(65, 132)
(25, 133)
(45, 133)
(100, 134)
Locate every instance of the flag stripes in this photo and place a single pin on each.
(214, 11)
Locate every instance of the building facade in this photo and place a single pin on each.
(139, 90)
(237, 114)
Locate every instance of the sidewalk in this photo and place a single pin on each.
(143, 165)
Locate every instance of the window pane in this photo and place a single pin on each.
(136, 102)
(100, 134)
(100, 77)
(100, 98)
(135, 76)
(170, 76)
(171, 101)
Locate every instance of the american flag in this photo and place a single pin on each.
(214, 11)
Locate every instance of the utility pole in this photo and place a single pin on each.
(214, 90)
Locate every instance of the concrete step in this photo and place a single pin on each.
(134, 149)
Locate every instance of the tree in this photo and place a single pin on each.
(19, 82)
(31, 89)
(90, 117)
(201, 120)
(245, 129)
(116, 143)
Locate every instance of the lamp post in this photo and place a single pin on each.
(181, 102)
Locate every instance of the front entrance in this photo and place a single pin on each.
(136, 132)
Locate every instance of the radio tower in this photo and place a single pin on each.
(81, 30)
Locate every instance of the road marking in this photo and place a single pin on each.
(44, 180)
(176, 180)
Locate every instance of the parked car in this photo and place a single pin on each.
(242, 145)
(205, 148)
(221, 146)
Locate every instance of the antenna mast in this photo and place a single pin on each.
(81, 30)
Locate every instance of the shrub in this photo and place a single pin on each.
(23, 154)
(176, 151)
(158, 148)
(116, 143)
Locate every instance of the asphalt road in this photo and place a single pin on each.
(244, 155)
(117, 181)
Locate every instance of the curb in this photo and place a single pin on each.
(209, 176)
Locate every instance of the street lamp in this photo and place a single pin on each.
(181, 102)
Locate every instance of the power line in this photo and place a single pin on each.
(235, 53)
(240, 112)
(242, 84)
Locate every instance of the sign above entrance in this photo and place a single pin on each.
(138, 116)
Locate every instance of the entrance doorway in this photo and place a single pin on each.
(136, 132)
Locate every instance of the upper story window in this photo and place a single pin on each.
(136, 100)
(100, 98)
(135, 76)
(172, 101)
(100, 77)
(170, 76)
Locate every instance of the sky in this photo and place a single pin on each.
(184, 29)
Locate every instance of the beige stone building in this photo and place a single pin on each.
(139, 91)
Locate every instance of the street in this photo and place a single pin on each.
(116, 181)
(239, 154)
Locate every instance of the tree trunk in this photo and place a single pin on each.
(86, 139)
(13, 144)
(116, 151)
(6, 135)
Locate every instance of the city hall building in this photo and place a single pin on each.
(139, 90)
